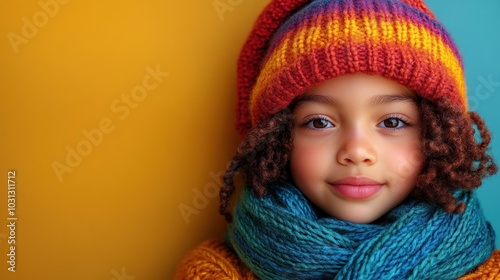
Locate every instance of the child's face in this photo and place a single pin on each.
(356, 152)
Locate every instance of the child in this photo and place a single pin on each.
(359, 155)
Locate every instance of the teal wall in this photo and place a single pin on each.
(476, 30)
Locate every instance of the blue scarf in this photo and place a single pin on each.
(283, 236)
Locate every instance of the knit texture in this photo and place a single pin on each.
(489, 270)
(298, 44)
(213, 259)
(282, 236)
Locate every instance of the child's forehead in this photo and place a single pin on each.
(360, 82)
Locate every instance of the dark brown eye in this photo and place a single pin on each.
(394, 123)
(391, 123)
(319, 123)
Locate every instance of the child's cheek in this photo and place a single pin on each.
(311, 161)
(406, 162)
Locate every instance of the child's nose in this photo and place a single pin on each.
(357, 148)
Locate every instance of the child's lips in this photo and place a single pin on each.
(356, 187)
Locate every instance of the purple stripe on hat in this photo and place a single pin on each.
(391, 10)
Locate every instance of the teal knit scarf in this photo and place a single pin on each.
(282, 236)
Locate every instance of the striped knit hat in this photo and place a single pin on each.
(298, 44)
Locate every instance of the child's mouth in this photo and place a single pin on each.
(356, 187)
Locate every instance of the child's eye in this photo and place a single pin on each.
(393, 123)
(318, 123)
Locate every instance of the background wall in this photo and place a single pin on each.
(117, 118)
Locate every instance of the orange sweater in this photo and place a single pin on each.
(213, 259)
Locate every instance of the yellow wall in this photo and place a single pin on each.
(114, 114)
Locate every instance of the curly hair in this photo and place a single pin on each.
(453, 158)
(262, 157)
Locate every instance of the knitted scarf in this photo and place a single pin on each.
(283, 236)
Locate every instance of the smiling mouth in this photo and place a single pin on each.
(356, 187)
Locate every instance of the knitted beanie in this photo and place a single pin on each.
(298, 44)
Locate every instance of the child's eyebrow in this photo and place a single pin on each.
(390, 98)
(314, 98)
(376, 100)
